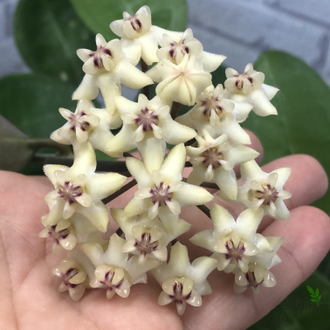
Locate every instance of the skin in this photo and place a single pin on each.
(30, 300)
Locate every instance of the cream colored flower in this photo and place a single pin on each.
(182, 282)
(115, 272)
(214, 113)
(232, 241)
(163, 189)
(258, 273)
(106, 69)
(78, 189)
(174, 48)
(264, 190)
(147, 120)
(139, 34)
(86, 124)
(73, 278)
(148, 238)
(66, 233)
(248, 87)
(180, 83)
(214, 159)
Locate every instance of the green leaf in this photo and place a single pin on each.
(31, 103)
(319, 298)
(303, 121)
(47, 34)
(313, 300)
(310, 289)
(170, 14)
(317, 292)
(297, 312)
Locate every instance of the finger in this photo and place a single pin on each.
(301, 252)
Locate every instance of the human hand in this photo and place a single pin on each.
(30, 299)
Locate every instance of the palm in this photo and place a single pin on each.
(30, 299)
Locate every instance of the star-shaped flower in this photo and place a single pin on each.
(148, 238)
(115, 272)
(147, 120)
(264, 190)
(174, 48)
(74, 273)
(214, 159)
(182, 282)
(232, 241)
(86, 124)
(66, 233)
(138, 33)
(258, 273)
(248, 87)
(78, 189)
(163, 189)
(106, 69)
(182, 82)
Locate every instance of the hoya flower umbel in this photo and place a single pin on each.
(233, 242)
(265, 191)
(214, 159)
(163, 188)
(183, 283)
(73, 277)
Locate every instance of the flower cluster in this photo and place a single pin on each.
(209, 134)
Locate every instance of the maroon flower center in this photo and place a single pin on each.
(234, 252)
(145, 245)
(146, 118)
(178, 47)
(178, 295)
(240, 80)
(68, 275)
(252, 279)
(78, 120)
(268, 193)
(211, 104)
(108, 279)
(97, 56)
(136, 24)
(69, 192)
(57, 236)
(161, 194)
(212, 157)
